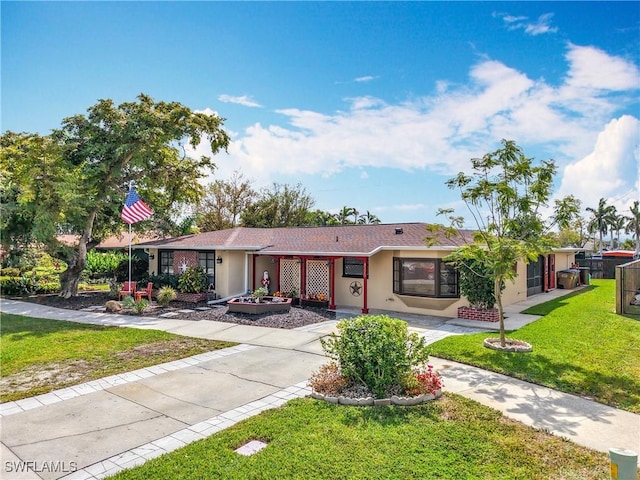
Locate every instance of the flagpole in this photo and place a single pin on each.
(129, 255)
(130, 185)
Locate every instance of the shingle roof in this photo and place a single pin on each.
(337, 240)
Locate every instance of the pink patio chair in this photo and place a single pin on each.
(145, 292)
(129, 288)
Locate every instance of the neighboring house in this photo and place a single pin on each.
(387, 267)
(118, 243)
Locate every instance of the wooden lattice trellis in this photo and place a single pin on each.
(290, 275)
(317, 281)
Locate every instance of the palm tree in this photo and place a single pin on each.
(345, 213)
(633, 224)
(368, 218)
(619, 222)
(601, 216)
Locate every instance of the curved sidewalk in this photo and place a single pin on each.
(104, 426)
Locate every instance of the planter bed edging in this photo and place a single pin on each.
(370, 401)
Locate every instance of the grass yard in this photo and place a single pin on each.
(38, 356)
(580, 346)
(449, 438)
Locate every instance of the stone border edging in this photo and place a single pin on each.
(370, 401)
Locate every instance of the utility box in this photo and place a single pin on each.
(623, 464)
(568, 279)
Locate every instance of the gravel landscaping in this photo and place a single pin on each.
(296, 317)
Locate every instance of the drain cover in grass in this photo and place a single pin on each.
(254, 446)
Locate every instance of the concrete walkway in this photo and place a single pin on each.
(93, 430)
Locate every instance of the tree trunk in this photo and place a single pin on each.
(70, 279)
(497, 292)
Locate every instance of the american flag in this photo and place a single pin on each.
(135, 210)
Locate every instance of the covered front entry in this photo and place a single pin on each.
(312, 277)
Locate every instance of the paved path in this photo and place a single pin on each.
(117, 422)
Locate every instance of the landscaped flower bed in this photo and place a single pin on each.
(376, 361)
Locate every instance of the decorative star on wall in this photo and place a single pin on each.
(184, 265)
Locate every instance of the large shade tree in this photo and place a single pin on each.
(224, 203)
(505, 195)
(75, 180)
(279, 206)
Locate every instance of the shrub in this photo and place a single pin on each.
(128, 302)
(193, 280)
(166, 295)
(476, 284)
(328, 379)
(104, 264)
(164, 279)
(259, 292)
(376, 351)
(140, 305)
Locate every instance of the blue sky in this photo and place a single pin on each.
(370, 105)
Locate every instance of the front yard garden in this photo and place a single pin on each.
(580, 346)
(450, 438)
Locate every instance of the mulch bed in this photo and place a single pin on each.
(296, 317)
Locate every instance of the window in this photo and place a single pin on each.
(166, 262)
(353, 267)
(425, 277)
(207, 260)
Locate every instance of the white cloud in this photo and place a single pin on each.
(611, 170)
(536, 27)
(241, 100)
(438, 134)
(593, 70)
(365, 78)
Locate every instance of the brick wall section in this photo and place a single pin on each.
(189, 257)
(480, 314)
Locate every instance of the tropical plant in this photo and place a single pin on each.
(368, 219)
(376, 351)
(166, 295)
(104, 263)
(601, 219)
(140, 305)
(633, 224)
(193, 280)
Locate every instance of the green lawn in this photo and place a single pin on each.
(452, 438)
(580, 346)
(38, 356)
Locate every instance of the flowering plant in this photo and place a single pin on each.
(317, 296)
(423, 381)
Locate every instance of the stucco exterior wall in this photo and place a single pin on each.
(230, 274)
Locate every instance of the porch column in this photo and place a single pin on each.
(253, 272)
(277, 273)
(332, 299)
(303, 276)
(365, 274)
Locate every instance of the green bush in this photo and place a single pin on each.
(476, 284)
(104, 264)
(193, 280)
(166, 295)
(376, 351)
(164, 280)
(140, 305)
(25, 285)
(128, 302)
(10, 272)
